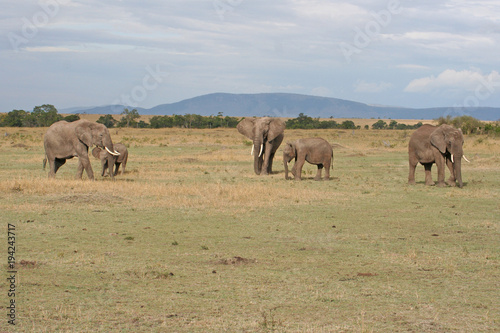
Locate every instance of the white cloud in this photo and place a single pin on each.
(413, 67)
(252, 46)
(450, 79)
(371, 87)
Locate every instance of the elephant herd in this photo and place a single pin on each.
(442, 145)
(64, 140)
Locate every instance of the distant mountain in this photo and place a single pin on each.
(290, 106)
(106, 109)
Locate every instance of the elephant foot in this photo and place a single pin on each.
(429, 182)
(451, 182)
(441, 184)
(412, 182)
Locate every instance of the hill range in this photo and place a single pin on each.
(290, 106)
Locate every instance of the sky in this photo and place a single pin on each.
(142, 53)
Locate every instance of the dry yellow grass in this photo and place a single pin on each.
(190, 240)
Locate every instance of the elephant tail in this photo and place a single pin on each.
(44, 162)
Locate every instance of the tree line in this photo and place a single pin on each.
(45, 115)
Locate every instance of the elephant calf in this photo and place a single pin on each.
(106, 157)
(316, 151)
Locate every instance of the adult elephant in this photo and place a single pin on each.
(442, 145)
(316, 151)
(65, 140)
(105, 158)
(267, 135)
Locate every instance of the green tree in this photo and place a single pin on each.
(15, 118)
(348, 124)
(129, 117)
(393, 124)
(161, 122)
(71, 118)
(45, 115)
(107, 121)
(380, 125)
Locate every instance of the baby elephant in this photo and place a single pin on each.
(105, 157)
(313, 150)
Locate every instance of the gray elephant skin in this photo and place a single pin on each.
(105, 158)
(266, 134)
(64, 140)
(316, 151)
(442, 145)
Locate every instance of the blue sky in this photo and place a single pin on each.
(428, 53)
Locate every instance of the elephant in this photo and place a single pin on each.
(267, 133)
(64, 140)
(316, 151)
(442, 145)
(105, 157)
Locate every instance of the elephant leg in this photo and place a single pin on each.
(52, 168)
(104, 166)
(117, 167)
(84, 163)
(327, 166)
(440, 166)
(318, 173)
(293, 171)
(265, 165)
(268, 159)
(55, 164)
(428, 174)
(270, 164)
(298, 169)
(258, 164)
(79, 170)
(411, 175)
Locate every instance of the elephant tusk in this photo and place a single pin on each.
(112, 153)
(465, 158)
(261, 148)
(452, 161)
(252, 151)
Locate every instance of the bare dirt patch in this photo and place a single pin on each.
(236, 261)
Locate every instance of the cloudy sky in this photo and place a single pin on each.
(425, 53)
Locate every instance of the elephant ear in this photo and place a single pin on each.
(292, 148)
(96, 152)
(438, 138)
(246, 127)
(276, 127)
(84, 134)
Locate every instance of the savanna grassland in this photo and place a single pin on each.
(189, 239)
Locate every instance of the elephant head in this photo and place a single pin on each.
(267, 135)
(449, 141)
(289, 153)
(95, 134)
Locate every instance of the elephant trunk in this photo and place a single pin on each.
(111, 164)
(257, 158)
(457, 168)
(108, 146)
(285, 164)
